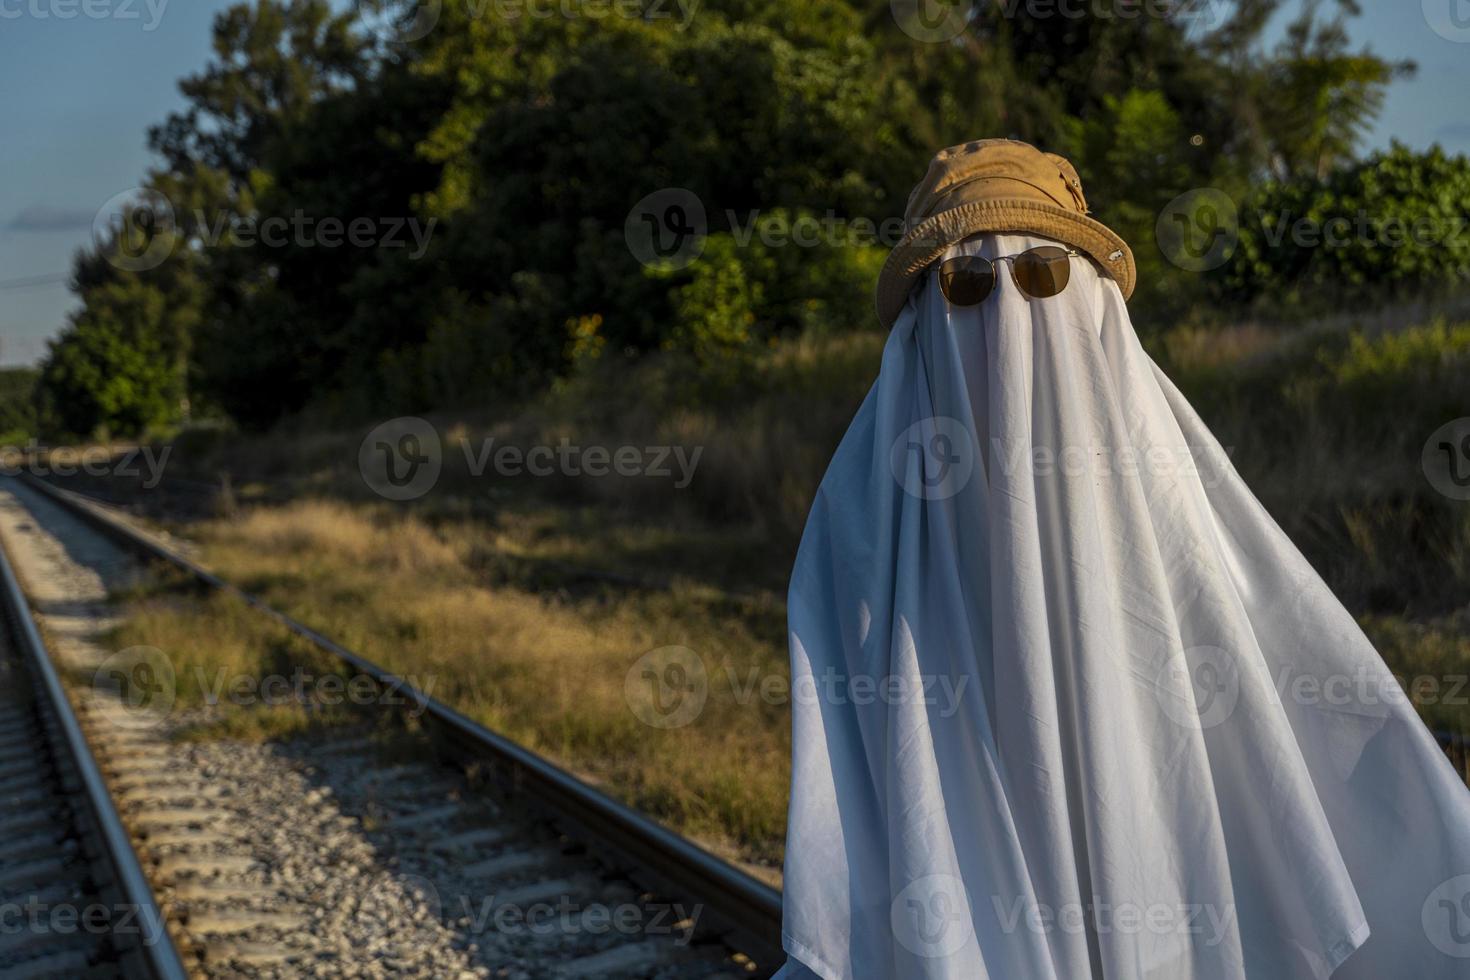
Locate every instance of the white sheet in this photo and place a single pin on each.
(1054, 713)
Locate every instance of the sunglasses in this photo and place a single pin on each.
(1040, 273)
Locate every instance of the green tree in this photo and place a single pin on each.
(17, 404)
(1315, 97)
(273, 60)
(110, 373)
(529, 140)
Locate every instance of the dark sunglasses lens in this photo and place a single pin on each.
(1043, 271)
(967, 279)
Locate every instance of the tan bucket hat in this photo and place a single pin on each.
(995, 186)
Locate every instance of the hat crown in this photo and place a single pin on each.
(996, 185)
(993, 168)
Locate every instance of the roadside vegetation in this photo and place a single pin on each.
(554, 668)
(528, 602)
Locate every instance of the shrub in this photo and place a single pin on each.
(17, 404)
(1391, 226)
(783, 274)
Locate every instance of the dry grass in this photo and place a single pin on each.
(210, 642)
(1199, 348)
(762, 451)
(547, 669)
(1432, 662)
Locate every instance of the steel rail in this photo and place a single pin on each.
(749, 910)
(154, 952)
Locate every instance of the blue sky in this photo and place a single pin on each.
(80, 92)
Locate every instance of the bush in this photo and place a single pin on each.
(111, 373)
(17, 404)
(1390, 227)
(784, 274)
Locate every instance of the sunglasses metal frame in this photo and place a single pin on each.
(1010, 259)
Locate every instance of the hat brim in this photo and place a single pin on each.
(933, 236)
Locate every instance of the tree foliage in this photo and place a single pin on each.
(17, 404)
(526, 140)
(1395, 224)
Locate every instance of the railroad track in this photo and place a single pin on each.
(247, 896)
(74, 901)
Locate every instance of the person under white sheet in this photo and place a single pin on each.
(1055, 670)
